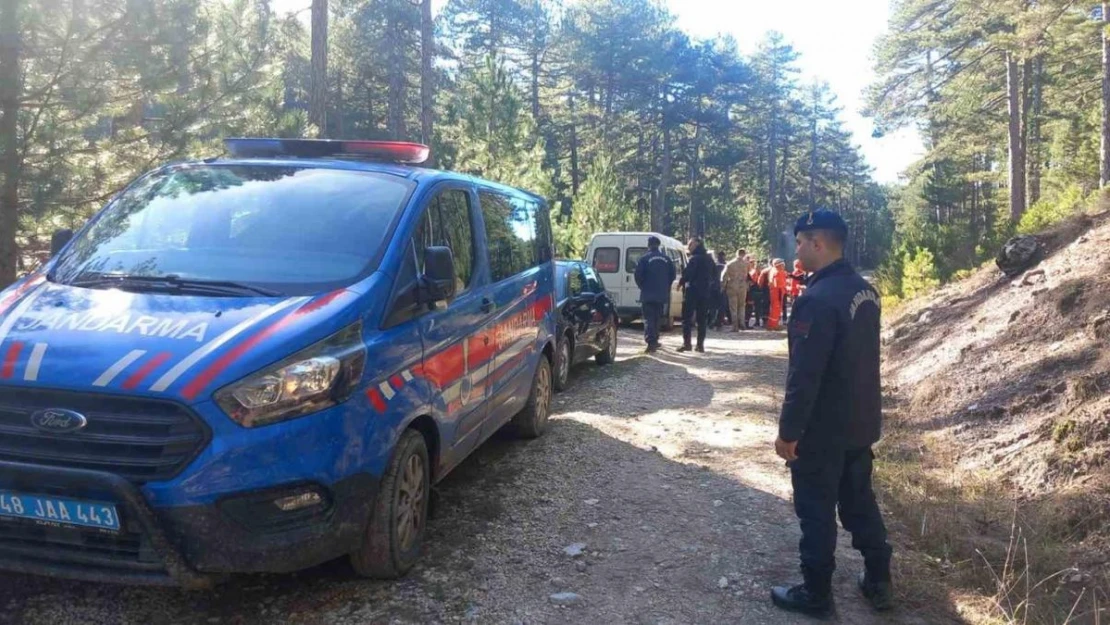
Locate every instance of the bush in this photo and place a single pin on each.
(888, 277)
(1050, 211)
(919, 272)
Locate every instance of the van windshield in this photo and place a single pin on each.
(289, 230)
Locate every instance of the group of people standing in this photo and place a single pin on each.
(832, 405)
(740, 293)
(764, 291)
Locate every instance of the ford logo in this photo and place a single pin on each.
(58, 420)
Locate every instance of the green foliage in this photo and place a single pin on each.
(604, 107)
(1051, 211)
(889, 276)
(942, 69)
(492, 132)
(600, 206)
(919, 273)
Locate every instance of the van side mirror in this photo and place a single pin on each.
(438, 282)
(59, 239)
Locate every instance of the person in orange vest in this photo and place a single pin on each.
(795, 285)
(776, 282)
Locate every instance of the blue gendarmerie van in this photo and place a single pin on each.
(262, 362)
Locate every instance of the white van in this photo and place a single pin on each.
(615, 254)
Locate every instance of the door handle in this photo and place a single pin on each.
(487, 305)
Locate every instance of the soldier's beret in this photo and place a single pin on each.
(820, 219)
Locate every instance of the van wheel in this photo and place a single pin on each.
(393, 538)
(563, 360)
(532, 421)
(609, 355)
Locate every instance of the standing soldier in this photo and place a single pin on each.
(697, 281)
(655, 273)
(734, 283)
(831, 416)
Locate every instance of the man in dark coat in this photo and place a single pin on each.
(697, 281)
(655, 273)
(831, 416)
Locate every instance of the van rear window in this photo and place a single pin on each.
(607, 259)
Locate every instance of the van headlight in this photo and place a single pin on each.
(322, 375)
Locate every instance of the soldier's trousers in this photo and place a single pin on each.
(653, 314)
(823, 481)
(695, 307)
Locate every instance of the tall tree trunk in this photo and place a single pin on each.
(782, 174)
(1033, 149)
(813, 159)
(697, 221)
(370, 91)
(574, 174)
(427, 75)
(1104, 161)
(340, 130)
(397, 81)
(1017, 155)
(318, 88)
(772, 157)
(658, 215)
(10, 88)
(536, 86)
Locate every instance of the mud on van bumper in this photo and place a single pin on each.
(190, 546)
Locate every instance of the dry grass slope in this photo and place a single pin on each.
(996, 462)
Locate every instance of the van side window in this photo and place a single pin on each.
(607, 259)
(517, 232)
(446, 223)
(632, 258)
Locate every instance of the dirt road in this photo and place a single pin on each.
(659, 470)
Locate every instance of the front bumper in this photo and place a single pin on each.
(188, 546)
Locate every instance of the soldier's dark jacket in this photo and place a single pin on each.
(833, 395)
(655, 273)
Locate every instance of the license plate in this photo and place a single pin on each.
(59, 510)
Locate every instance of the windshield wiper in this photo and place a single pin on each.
(170, 283)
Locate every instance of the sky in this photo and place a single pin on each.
(834, 38)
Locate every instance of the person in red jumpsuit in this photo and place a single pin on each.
(776, 281)
(795, 285)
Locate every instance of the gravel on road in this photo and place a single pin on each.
(655, 497)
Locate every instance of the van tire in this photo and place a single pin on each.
(609, 355)
(564, 358)
(532, 420)
(384, 553)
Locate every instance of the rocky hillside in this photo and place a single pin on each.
(1005, 383)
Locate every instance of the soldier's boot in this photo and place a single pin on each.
(812, 598)
(880, 594)
(685, 348)
(803, 600)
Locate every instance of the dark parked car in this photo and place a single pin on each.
(586, 319)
